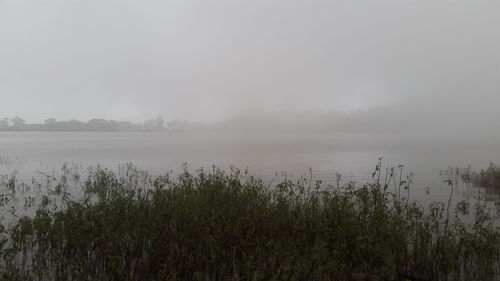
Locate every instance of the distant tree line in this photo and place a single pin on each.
(51, 124)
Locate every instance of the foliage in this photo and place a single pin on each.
(216, 225)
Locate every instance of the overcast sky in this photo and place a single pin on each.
(208, 60)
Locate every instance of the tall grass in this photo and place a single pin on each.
(216, 225)
(488, 178)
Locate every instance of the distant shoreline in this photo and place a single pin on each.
(18, 124)
(96, 131)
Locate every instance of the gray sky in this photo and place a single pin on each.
(208, 60)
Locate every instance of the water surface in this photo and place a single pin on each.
(268, 156)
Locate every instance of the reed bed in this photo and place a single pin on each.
(486, 178)
(217, 225)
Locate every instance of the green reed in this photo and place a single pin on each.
(217, 225)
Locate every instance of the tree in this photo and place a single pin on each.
(4, 124)
(50, 121)
(154, 124)
(50, 124)
(101, 125)
(18, 122)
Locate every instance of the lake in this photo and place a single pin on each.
(268, 156)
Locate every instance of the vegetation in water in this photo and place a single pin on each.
(216, 225)
(487, 178)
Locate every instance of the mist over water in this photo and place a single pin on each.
(278, 87)
(272, 157)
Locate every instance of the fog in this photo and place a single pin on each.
(229, 139)
(424, 63)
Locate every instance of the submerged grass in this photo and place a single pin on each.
(487, 178)
(216, 225)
